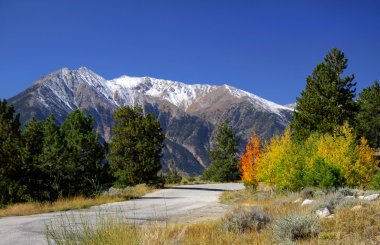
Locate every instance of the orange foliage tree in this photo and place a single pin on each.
(248, 161)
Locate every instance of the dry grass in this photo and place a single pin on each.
(116, 232)
(347, 226)
(354, 227)
(78, 202)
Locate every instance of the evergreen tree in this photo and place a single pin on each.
(12, 188)
(328, 99)
(368, 118)
(32, 174)
(224, 161)
(135, 147)
(85, 155)
(53, 161)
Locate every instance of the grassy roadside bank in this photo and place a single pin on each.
(78, 202)
(352, 221)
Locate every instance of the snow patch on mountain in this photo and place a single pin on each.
(266, 104)
(126, 90)
(178, 93)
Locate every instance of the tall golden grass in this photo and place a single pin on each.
(77, 202)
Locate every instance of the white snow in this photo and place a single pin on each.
(126, 90)
(268, 105)
(178, 93)
(128, 82)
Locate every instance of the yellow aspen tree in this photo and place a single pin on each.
(338, 149)
(278, 165)
(365, 165)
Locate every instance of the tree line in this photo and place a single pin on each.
(45, 161)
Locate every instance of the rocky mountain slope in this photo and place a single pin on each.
(189, 114)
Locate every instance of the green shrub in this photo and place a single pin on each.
(348, 202)
(331, 201)
(244, 219)
(319, 194)
(346, 192)
(173, 177)
(295, 227)
(191, 179)
(376, 181)
(157, 182)
(324, 175)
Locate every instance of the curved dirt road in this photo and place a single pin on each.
(185, 204)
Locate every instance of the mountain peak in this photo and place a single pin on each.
(83, 69)
(188, 113)
(64, 70)
(125, 89)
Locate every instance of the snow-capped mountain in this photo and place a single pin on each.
(189, 114)
(291, 106)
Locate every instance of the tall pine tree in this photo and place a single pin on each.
(368, 118)
(85, 155)
(224, 160)
(12, 189)
(32, 174)
(53, 160)
(328, 99)
(135, 147)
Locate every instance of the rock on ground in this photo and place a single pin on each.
(371, 197)
(307, 202)
(324, 212)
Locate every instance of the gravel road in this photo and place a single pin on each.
(183, 204)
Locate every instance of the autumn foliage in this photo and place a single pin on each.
(324, 160)
(281, 163)
(248, 161)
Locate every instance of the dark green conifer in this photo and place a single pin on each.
(224, 160)
(328, 99)
(53, 161)
(85, 155)
(33, 176)
(136, 146)
(368, 118)
(12, 188)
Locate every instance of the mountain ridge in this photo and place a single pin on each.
(188, 113)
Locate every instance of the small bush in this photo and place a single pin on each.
(376, 181)
(331, 201)
(319, 193)
(158, 182)
(348, 203)
(244, 219)
(346, 192)
(296, 226)
(173, 177)
(307, 193)
(324, 175)
(258, 196)
(184, 182)
(191, 179)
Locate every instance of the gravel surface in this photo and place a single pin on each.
(182, 204)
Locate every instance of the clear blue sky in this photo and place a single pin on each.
(265, 47)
